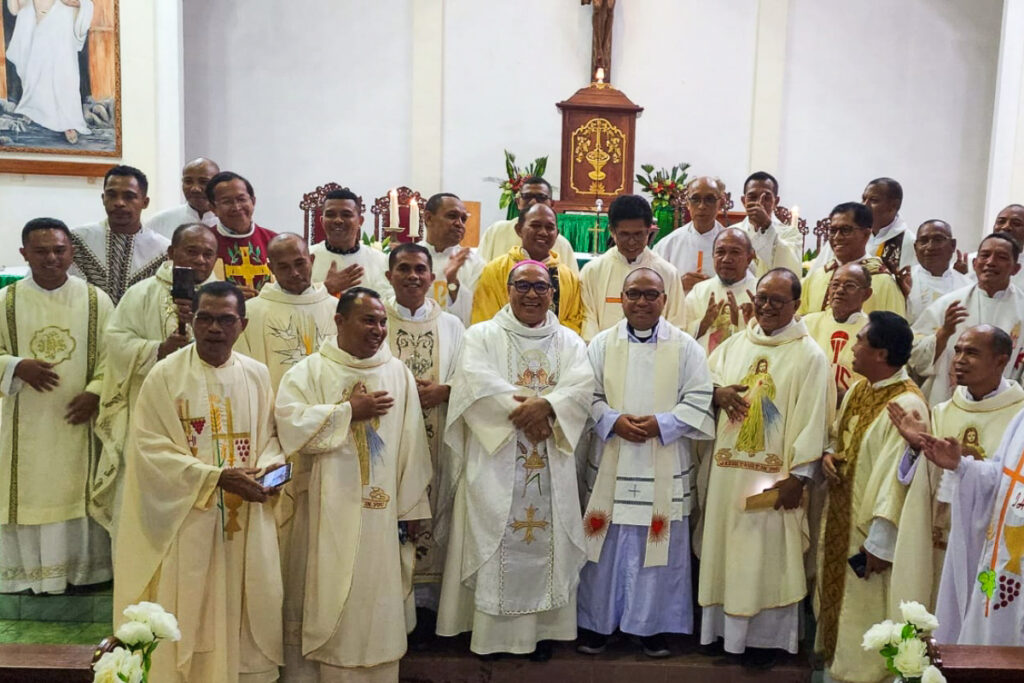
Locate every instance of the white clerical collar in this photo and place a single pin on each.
(209, 219)
(739, 283)
(713, 232)
(1004, 384)
(1001, 294)
(923, 272)
(419, 314)
(235, 235)
(30, 281)
(639, 259)
(783, 328)
(435, 250)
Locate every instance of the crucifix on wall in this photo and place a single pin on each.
(601, 45)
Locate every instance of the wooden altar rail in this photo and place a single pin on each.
(975, 663)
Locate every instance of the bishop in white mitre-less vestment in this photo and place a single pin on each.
(47, 541)
(516, 543)
(366, 477)
(203, 553)
(115, 261)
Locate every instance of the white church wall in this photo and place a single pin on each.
(147, 136)
(879, 88)
(293, 99)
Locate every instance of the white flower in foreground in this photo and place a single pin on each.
(880, 635)
(919, 616)
(932, 675)
(143, 611)
(912, 658)
(165, 626)
(117, 666)
(134, 633)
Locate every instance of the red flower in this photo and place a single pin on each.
(595, 523)
(671, 186)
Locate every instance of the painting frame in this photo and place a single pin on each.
(11, 155)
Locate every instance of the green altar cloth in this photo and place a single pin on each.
(576, 227)
(12, 274)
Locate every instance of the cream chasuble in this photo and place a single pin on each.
(373, 261)
(516, 543)
(204, 554)
(366, 477)
(113, 261)
(601, 283)
(925, 288)
(778, 246)
(501, 236)
(468, 275)
(836, 339)
(492, 289)
(753, 561)
(885, 293)
(1005, 310)
(868, 448)
(698, 300)
(143, 319)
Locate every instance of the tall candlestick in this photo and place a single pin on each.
(795, 217)
(414, 218)
(393, 210)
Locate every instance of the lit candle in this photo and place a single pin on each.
(795, 218)
(393, 210)
(414, 218)
(599, 74)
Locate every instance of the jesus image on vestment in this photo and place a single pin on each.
(762, 413)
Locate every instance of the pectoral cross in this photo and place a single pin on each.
(529, 524)
(246, 270)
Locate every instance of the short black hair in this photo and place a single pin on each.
(521, 218)
(129, 172)
(762, 176)
(891, 332)
(794, 280)
(1002, 343)
(178, 231)
(434, 203)
(348, 298)
(1014, 244)
(407, 248)
(893, 189)
(226, 177)
(627, 207)
(220, 289)
(342, 194)
(43, 224)
(862, 216)
(536, 180)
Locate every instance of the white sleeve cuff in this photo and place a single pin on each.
(9, 384)
(881, 540)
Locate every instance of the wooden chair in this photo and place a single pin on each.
(381, 211)
(821, 232)
(785, 215)
(312, 204)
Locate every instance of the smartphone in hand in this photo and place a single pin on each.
(278, 477)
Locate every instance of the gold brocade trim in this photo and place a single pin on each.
(772, 463)
(12, 330)
(865, 404)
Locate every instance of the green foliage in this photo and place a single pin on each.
(987, 579)
(515, 177)
(663, 185)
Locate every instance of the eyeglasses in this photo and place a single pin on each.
(522, 286)
(206, 319)
(536, 196)
(848, 287)
(771, 301)
(844, 230)
(649, 294)
(698, 199)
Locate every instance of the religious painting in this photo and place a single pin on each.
(60, 85)
(762, 415)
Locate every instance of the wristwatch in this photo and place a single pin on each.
(453, 286)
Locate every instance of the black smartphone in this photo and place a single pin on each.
(278, 477)
(183, 283)
(859, 564)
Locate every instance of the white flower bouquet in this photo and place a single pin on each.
(148, 623)
(906, 655)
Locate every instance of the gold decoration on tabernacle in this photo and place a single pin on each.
(598, 142)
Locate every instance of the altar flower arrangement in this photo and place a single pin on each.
(129, 662)
(900, 643)
(514, 177)
(380, 245)
(663, 185)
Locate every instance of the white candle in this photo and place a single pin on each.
(414, 218)
(393, 210)
(599, 74)
(795, 217)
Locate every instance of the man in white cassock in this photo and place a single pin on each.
(977, 416)
(197, 208)
(1011, 221)
(775, 399)
(456, 268)
(195, 532)
(776, 244)
(353, 410)
(119, 251)
(52, 358)
(342, 261)
(653, 396)
(147, 326)
(689, 248)
(721, 306)
(630, 222)
(44, 49)
(933, 275)
(994, 300)
(519, 403)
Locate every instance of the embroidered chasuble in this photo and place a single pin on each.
(868, 448)
(63, 326)
(242, 259)
(204, 554)
(753, 561)
(366, 476)
(373, 261)
(836, 339)
(429, 344)
(144, 318)
(949, 581)
(885, 293)
(515, 542)
(698, 300)
(501, 236)
(113, 261)
(601, 283)
(469, 274)
(492, 289)
(1005, 310)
